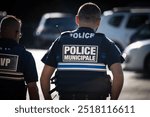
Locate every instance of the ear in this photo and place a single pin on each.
(77, 19)
(98, 22)
(17, 36)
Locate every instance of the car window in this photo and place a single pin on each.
(144, 32)
(136, 20)
(116, 20)
(64, 24)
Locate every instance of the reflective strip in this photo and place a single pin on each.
(82, 66)
(12, 78)
(12, 73)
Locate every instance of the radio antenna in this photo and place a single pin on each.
(58, 29)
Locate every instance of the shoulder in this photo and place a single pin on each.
(64, 36)
(26, 53)
(100, 35)
(19, 49)
(28, 58)
(66, 33)
(104, 38)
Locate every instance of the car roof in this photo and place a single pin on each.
(127, 10)
(57, 15)
(132, 9)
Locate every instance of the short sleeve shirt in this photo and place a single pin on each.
(25, 62)
(111, 53)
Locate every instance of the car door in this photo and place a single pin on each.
(134, 21)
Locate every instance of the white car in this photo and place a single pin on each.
(137, 56)
(120, 23)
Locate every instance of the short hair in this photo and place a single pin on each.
(9, 21)
(89, 12)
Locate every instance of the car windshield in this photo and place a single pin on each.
(144, 32)
(63, 24)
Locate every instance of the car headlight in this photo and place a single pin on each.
(129, 53)
(126, 57)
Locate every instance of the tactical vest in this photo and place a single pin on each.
(81, 64)
(12, 84)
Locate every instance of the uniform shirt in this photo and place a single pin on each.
(17, 68)
(82, 55)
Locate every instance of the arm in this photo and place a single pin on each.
(30, 75)
(45, 81)
(118, 79)
(33, 91)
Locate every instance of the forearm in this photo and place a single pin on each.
(45, 81)
(33, 91)
(116, 88)
(118, 80)
(45, 86)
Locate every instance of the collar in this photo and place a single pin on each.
(86, 29)
(8, 41)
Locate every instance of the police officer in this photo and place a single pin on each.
(81, 57)
(17, 66)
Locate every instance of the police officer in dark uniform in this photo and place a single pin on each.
(81, 57)
(17, 66)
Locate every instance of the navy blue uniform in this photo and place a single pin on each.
(81, 56)
(17, 68)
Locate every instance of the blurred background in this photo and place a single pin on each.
(135, 47)
(30, 12)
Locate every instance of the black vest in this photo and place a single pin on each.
(12, 84)
(81, 62)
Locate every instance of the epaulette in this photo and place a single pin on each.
(100, 34)
(66, 33)
(104, 36)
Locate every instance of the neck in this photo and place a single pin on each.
(94, 28)
(88, 25)
(7, 37)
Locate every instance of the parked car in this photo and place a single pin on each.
(120, 23)
(51, 26)
(137, 56)
(143, 33)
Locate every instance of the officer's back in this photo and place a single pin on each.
(81, 57)
(15, 73)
